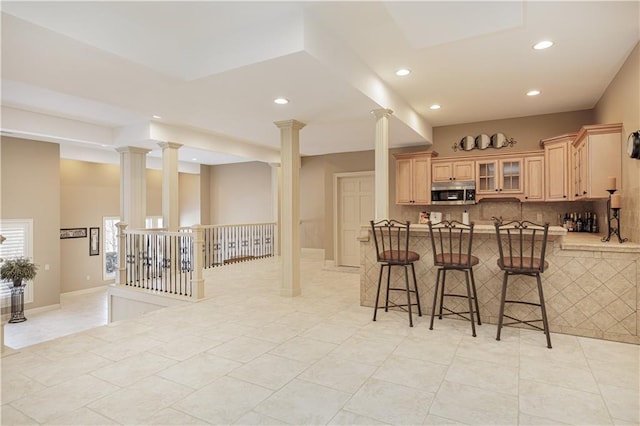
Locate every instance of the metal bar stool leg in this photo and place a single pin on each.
(375, 307)
(473, 323)
(386, 303)
(544, 311)
(444, 278)
(435, 299)
(406, 282)
(415, 283)
(475, 296)
(502, 298)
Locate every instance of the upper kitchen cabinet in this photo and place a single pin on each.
(413, 178)
(499, 177)
(596, 155)
(557, 167)
(445, 171)
(534, 178)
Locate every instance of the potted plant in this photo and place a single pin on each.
(17, 270)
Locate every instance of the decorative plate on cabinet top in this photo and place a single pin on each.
(468, 143)
(483, 141)
(498, 140)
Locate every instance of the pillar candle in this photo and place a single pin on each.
(611, 182)
(616, 201)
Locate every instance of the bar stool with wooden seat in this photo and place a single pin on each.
(521, 247)
(391, 239)
(451, 243)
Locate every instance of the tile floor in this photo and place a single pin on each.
(248, 356)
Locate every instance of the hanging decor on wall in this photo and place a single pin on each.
(483, 141)
(73, 233)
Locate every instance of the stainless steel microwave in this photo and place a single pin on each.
(453, 193)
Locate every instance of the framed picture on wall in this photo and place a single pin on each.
(94, 241)
(73, 233)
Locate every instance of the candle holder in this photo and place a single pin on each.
(613, 230)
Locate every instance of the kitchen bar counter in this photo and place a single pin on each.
(591, 287)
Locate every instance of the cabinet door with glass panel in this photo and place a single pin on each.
(499, 177)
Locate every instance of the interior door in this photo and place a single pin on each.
(355, 208)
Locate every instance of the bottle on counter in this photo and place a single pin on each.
(579, 223)
(594, 224)
(588, 226)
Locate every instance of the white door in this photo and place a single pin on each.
(355, 195)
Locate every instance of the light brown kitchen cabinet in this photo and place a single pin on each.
(534, 178)
(413, 178)
(499, 177)
(557, 169)
(596, 155)
(445, 171)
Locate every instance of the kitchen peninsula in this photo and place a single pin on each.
(591, 287)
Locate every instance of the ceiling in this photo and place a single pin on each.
(92, 75)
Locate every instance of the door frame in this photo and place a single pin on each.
(336, 177)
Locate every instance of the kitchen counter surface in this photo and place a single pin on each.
(593, 242)
(570, 241)
(484, 229)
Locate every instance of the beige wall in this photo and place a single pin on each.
(205, 195)
(30, 185)
(316, 194)
(154, 192)
(90, 191)
(620, 103)
(527, 131)
(189, 195)
(240, 193)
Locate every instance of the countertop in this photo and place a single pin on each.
(571, 241)
(593, 242)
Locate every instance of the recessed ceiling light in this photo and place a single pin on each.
(157, 117)
(194, 159)
(533, 93)
(403, 71)
(281, 101)
(541, 45)
(435, 106)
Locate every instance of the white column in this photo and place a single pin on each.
(133, 186)
(276, 184)
(382, 163)
(290, 206)
(170, 201)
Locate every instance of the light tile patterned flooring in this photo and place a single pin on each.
(246, 355)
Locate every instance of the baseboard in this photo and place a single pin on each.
(85, 291)
(329, 263)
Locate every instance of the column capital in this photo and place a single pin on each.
(133, 150)
(286, 124)
(381, 112)
(173, 145)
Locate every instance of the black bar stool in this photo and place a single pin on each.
(521, 247)
(391, 238)
(451, 243)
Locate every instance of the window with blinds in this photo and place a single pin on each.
(18, 234)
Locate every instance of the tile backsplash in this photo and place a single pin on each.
(482, 212)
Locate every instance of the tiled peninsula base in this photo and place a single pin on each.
(590, 288)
